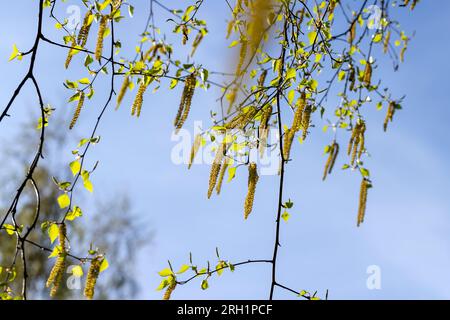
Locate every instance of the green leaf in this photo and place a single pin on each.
(73, 214)
(15, 54)
(312, 37)
(164, 283)
(77, 271)
(10, 229)
(205, 284)
(231, 173)
(183, 269)
(63, 201)
(84, 81)
(291, 73)
(104, 265)
(285, 216)
(53, 232)
(75, 167)
(165, 272)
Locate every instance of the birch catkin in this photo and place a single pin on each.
(139, 99)
(186, 101)
(92, 276)
(356, 144)
(367, 77)
(287, 143)
(365, 185)
(101, 32)
(298, 114)
(195, 147)
(70, 54)
(171, 287)
(223, 169)
(306, 118)
(252, 181)
(57, 272)
(123, 91)
(215, 168)
(332, 155)
(77, 110)
(389, 115)
(264, 128)
(84, 30)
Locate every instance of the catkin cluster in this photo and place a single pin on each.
(252, 181)
(170, 288)
(356, 143)
(389, 115)
(139, 99)
(302, 116)
(215, 168)
(57, 272)
(242, 118)
(195, 147)
(186, 101)
(100, 35)
(365, 185)
(92, 276)
(77, 110)
(332, 155)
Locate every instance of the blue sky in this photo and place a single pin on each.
(407, 220)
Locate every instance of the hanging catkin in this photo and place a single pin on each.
(365, 185)
(195, 147)
(84, 30)
(356, 143)
(242, 56)
(367, 77)
(389, 115)
(123, 90)
(215, 168)
(77, 110)
(332, 155)
(139, 99)
(170, 288)
(101, 32)
(306, 118)
(386, 42)
(70, 54)
(92, 276)
(352, 33)
(351, 78)
(57, 272)
(223, 169)
(264, 128)
(287, 143)
(186, 101)
(298, 114)
(252, 181)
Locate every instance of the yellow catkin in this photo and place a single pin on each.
(92, 276)
(306, 118)
(351, 78)
(232, 98)
(287, 143)
(62, 235)
(413, 4)
(223, 169)
(352, 33)
(389, 115)
(56, 274)
(215, 168)
(298, 114)
(252, 181)
(170, 288)
(123, 90)
(332, 155)
(356, 143)
(139, 99)
(257, 22)
(386, 42)
(262, 78)
(101, 32)
(77, 111)
(195, 147)
(242, 56)
(186, 101)
(264, 128)
(365, 185)
(367, 77)
(196, 43)
(70, 54)
(84, 30)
